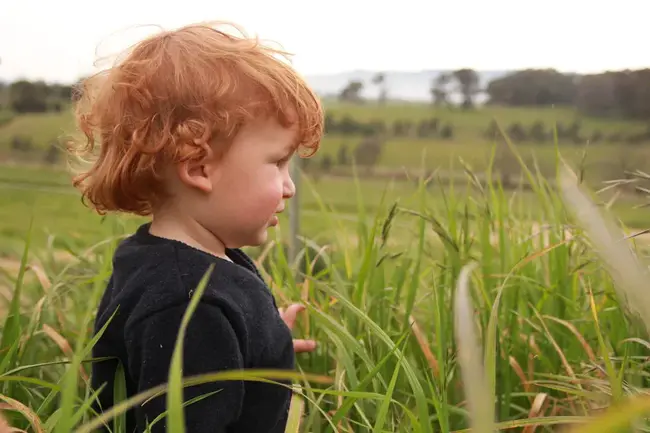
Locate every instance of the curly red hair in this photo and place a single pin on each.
(174, 93)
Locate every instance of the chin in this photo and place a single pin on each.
(258, 240)
(251, 238)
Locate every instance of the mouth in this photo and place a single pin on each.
(275, 219)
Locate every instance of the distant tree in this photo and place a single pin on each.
(53, 153)
(329, 126)
(367, 153)
(375, 127)
(506, 166)
(434, 122)
(402, 128)
(342, 156)
(352, 92)
(60, 92)
(427, 127)
(638, 138)
(349, 126)
(468, 81)
(65, 92)
(380, 81)
(517, 132)
(596, 137)
(447, 132)
(621, 94)
(538, 132)
(572, 132)
(533, 87)
(596, 95)
(492, 131)
(439, 89)
(326, 163)
(22, 144)
(28, 97)
(615, 137)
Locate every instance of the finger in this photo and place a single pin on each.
(291, 314)
(300, 346)
(281, 311)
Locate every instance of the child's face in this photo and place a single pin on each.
(249, 185)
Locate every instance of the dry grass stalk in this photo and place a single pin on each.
(425, 347)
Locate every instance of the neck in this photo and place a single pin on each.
(181, 227)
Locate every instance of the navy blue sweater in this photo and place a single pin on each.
(235, 326)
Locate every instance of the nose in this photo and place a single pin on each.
(288, 187)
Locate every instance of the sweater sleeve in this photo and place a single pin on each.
(210, 346)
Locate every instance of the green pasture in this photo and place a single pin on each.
(57, 207)
(29, 186)
(604, 159)
(447, 314)
(60, 216)
(438, 307)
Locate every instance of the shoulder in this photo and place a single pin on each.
(172, 279)
(151, 276)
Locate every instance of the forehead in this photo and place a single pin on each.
(269, 134)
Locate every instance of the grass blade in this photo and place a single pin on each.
(476, 388)
(175, 413)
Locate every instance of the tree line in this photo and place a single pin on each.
(622, 94)
(26, 96)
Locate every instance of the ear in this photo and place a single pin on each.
(198, 173)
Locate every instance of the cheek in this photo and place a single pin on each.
(264, 192)
(271, 194)
(248, 194)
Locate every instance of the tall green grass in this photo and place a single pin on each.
(473, 320)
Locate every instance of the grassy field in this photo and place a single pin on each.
(468, 142)
(391, 300)
(62, 219)
(396, 323)
(58, 210)
(44, 190)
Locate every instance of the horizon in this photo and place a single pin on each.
(347, 73)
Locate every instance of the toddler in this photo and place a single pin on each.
(195, 129)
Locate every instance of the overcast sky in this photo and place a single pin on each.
(59, 40)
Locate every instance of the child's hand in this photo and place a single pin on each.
(289, 316)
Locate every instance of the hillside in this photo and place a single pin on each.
(468, 141)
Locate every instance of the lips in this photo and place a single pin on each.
(275, 220)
